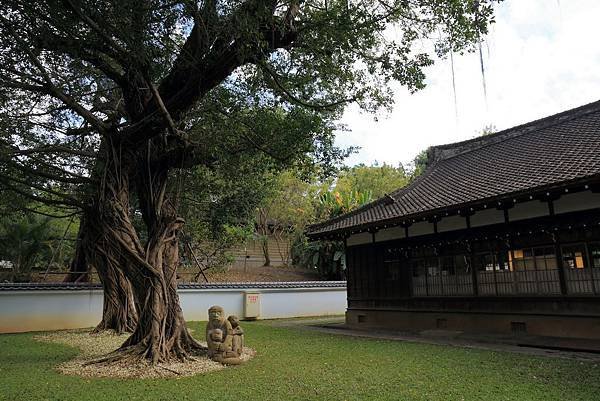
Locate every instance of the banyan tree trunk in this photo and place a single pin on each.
(79, 270)
(119, 310)
(161, 333)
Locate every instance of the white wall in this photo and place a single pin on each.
(359, 239)
(487, 217)
(421, 228)
(451, 223)
(387, 234)
(577, 201)
(49, 310)
(528, 210)
(38, 310)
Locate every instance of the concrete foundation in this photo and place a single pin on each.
(576, 327)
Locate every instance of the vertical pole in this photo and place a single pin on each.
(426, 268)
(559, 264)
(588, 266)
(495, 260)
(473, 272)
(439, 263)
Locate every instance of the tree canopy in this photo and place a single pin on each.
(105, 104)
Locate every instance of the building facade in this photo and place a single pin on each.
(501, 234)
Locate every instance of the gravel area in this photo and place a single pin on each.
(93, 346)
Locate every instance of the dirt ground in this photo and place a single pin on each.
(261, 274)
(234, 274)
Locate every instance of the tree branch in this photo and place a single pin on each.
(53, 149)
(196, 72)
(52, 89)
(37, 198)
(293, 99)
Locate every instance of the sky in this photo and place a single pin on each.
(541, 57)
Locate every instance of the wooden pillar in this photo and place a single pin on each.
(473, 272)
(467, 213)
(559, 261)
(550, 198)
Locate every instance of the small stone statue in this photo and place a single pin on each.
(219, 338)
(216, 335)
(217, 321)
(237, 343)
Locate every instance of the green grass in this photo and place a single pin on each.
(300, 365)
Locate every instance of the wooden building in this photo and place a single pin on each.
(500, 234)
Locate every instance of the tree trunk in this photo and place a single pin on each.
(265, 249)
(79, 271)
(119, 311)
(161, 333)
(92, 251)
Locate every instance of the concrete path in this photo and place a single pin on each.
(529, 345)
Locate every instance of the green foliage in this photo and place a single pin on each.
(488, 130)
(221, 95)
(218, 205)
(376, 180)
(25, 242)
(236, 76)
(419, 164)
(335, 203)
(290, 201)
(293, 364)
(294, 203)
(326, 257)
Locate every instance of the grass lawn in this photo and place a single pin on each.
(300, 365)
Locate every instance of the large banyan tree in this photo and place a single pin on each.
(105, 105)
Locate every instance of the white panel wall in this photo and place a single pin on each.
(49, 310)
(359, 239)
(42, 310)
(577, 201)
(421, 228)
(528, 210)
(487, 217)
(277, 304)
(388, 234)
(451, 223)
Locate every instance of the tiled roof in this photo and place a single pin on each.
(546, 153)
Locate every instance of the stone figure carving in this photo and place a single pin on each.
(216, 320)
(220, 337)
(237, 341)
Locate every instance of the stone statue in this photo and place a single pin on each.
(237, 342)
(219, 338)
(217, 321)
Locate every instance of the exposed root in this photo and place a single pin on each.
(136, 354)
(97, 360)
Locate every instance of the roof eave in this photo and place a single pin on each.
(504, 198)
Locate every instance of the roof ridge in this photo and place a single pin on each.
(450, 150)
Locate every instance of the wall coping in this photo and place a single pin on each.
(7, 287)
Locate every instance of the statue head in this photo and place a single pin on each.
(216, 335)
(216, 314)
(234, 320)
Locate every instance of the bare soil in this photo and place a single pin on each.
(234, 274)
(261, 274)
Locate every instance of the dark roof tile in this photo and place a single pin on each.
(557, 149)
